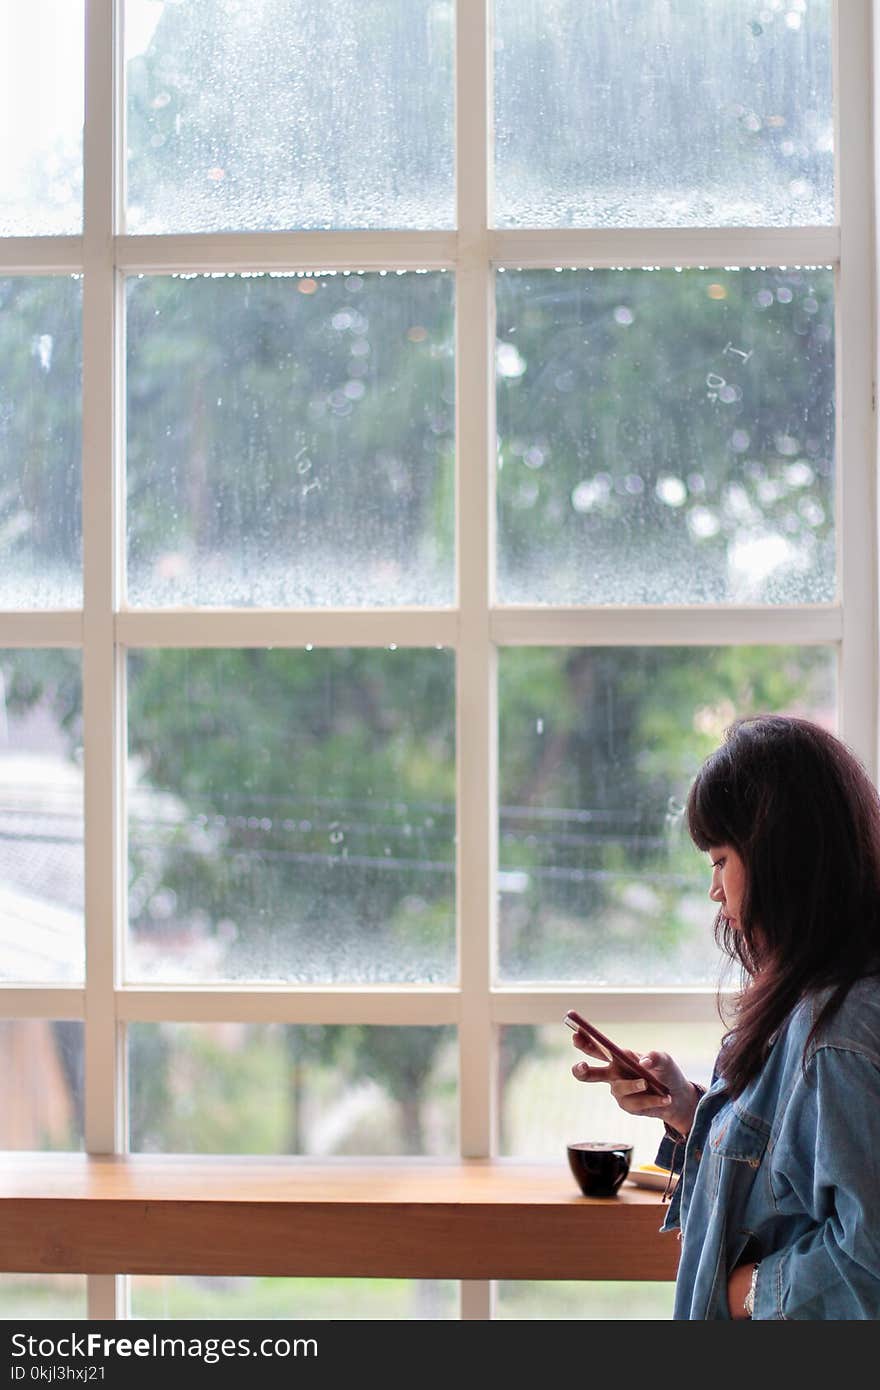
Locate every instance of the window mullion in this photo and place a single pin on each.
(198, 252)
(602, 247)
(402, 1006)
(318, 627)
(855, 334)
(477, 1300)
(42, 628)
(99, 580)
(40, 255)
(40, 1001)
(475, 671)
(101, 727)
(537, 1005)
(666, 626)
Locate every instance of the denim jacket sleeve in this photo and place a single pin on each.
(670, 1154)
(826, 1163)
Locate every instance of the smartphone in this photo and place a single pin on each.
(612, 1052)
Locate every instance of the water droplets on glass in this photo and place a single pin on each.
(40, 442)
(686, 456)
(655, 115)
(598, 881)
(311, 114)
(266, 465)
(300, 830)
(41, 117)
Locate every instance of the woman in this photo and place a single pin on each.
(778, 1199)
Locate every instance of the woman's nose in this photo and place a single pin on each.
(715, 892)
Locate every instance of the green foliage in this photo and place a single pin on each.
(233, 1088)
(654, 423)
(290, 438)
(221, 1100)
(288, 1299)
(51, 679)
(598, 876)
(315, 793)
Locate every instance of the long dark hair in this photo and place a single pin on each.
(801, 812)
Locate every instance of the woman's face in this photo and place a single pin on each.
(728, 882)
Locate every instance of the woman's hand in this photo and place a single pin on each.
(630, 1093)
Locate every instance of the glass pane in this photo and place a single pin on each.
(163, 1297)
(666, 436)
(626, 113)
(42, 1063)
(543, 1108)
(40, 442)
(563, 1299)
(291, 815)
(291, 440)
(598, 880)
(41, 117)
(41, 817)
(42, 1296)
(277, 1089)
(289, 114)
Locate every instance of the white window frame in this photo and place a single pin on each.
(476, 626)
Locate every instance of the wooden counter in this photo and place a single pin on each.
(407, 1218)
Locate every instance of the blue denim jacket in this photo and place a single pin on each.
(788, 1174)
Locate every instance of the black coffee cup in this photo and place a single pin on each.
(599, 1169)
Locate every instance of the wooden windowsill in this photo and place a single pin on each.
(406, 1218)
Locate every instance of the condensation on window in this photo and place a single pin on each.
(40, 442)
(300, 114)
(291, 440)
(666, 436)
(41, 117)
(627, 113)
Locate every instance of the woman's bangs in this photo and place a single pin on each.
(705, 822)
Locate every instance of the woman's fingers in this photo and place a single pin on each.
(652, 1107)
(585, 1044)
(592, 1049)
(622, 1088)
(619, 1089)
(584, 1072)
(630, 1095)
(629, 1091)
(634, 1097)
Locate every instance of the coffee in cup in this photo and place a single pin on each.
(599, 1168)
